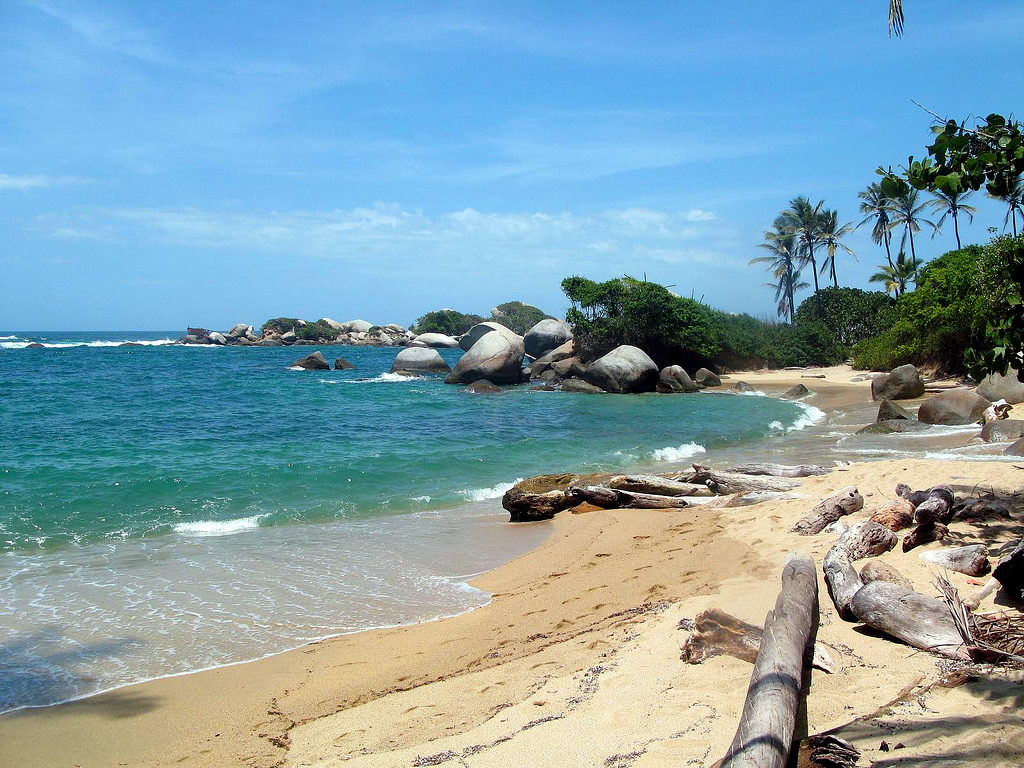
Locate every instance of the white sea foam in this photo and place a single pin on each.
(7, 338)
(494, 492)
(218, 527)
(73, 344)
(808, 418)
(777, 426)
(421, 499)
(384, 378)
(679, 453)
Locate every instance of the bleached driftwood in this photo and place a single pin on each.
(865, 539)
(610, 498)
(765, 734)
(972, 560)
(918, 620)
(937, 508)
(924, 534)
(779, 470)
(828, 510)
(658, 486)
(726, 483)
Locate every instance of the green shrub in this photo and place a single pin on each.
(280, 324)
(318, 331)
(446, 321)
(518, 316)
(849, 314)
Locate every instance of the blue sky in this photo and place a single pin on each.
(167, 164)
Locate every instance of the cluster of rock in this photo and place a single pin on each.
(989, 405)
(357, 333)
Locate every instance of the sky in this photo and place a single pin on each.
(165, 164)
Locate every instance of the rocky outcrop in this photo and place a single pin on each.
(580, 386)
(478, 331)
(624, 369)
(356, 326)
(497, 357)
(341, 364)
(706, 378)
(953, 407)
(1015, 449)
(1002, 431)
(997, 387)
(795, 392)
(673, 379)
(313, 362)
(887, 410)
(435, 340)
(902, 383)
(545, 336)
(742, 386)
(420, 360)
(483, 387)
(893, 425)
(217, 338)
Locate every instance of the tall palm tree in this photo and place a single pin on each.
(907, 213)
(782, 246)
(830, 235)
(896, 275)
(1014, 199)
(877, 206)
(804, 221)
(952, 204)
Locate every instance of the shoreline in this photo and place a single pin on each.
(276, 708)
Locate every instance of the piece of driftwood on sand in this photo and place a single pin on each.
(972, 559)
(937, 508)
(925, 533)
(764, 737)
(918, 620)
(845, 501)
(726, 483)
(658, 486)
(611, 498)
(779, 470)
(864, 539)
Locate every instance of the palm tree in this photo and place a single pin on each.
(781, 244)
(876, 205)
(896, 276)
(952, 203)
(804, 221)
(1014, 199)
(906, 213)
(829, 236)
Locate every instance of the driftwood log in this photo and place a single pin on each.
(895, 515)
(610, 498)
(657, 485)
(937, 508)
(972, 560)
(876, 570)
(726, 483)
(904, 491)
(764, 737)
(779, 470)
(865, 539)
(524, 507)
(828, 510)
(918, 620)
(924, 534)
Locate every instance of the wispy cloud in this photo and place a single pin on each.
(8, 181)
(105, 32)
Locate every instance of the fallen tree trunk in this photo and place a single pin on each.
(895, 515)
(972, 560)
(726, 483)
(657, 485)
(779, 470)
(865, 539)
(764, 737)
(918, 620)
(924, 534)
(937, 508)
(611, 498)
(828, 510)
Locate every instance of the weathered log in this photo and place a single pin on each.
(972, 560)
(779, 470)
(937, 508)
(611, 498)
(918, 620)
(980, 509)
(895, 515)
(1009, 571)
(842, 580)
(657, 485)
(725, 483)
(765, 734)
(526, 507)
(877, 570)
(914, 497)
(828, 510)
(867, 539)
(974, 600)
(924, 534)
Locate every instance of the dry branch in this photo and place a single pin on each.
(828, 510)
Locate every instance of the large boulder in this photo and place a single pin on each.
(341, 364)
(795, 392)
(890, 426)
(1002, 431)
(674, 379)
(706, 378)
(957, 406)
(436, 340)
(483, 387)
(332, 324)
(217, 338)
(624, 369)
(313, 362)
(478, 331)
(887, 410)
(420, 360)
(1015, 449)
(240, 329)
(545, 336)
(355, 326)
(998, 387)
(497, 357)
(902, 383)
(581, 387)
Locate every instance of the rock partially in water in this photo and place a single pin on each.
(902, 383)
(952, 408)
(313, 362)
(624, 369)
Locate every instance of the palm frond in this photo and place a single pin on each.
(896, 17)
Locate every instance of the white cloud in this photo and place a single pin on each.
(7, 181)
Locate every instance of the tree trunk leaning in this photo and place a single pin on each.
(918, 620)
(828, 510)
(765, 734)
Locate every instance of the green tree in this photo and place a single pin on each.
(518, 316)
(849, 314)
(1013, 196)
(907, 213)
(896, 276)
(830, 235)
(447, 321)
(877, 207)
(952, 204)
(804, 221)
(780, 242)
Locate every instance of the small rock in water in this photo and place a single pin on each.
(313, 362)
(483, 387)
(341, 364)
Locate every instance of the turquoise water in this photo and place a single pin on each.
(168, 508)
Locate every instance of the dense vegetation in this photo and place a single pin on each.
(447, 321)
(518, 316)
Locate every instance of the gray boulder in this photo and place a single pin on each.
(887, 410)
(289, 337)
(545, 336)
(436, 340)
(478, 331)
(674, 379)
(1002, 431)
(497, 357)
(579, 385)
(570, 367)
(1016, 449)
(902, 383)
(998, 387)
(742, 386)
(313, 362)
(624, 369)
(332, 324)
(217, 338)
(240, 329)
(706, 378)
(893, 425)
(483, 387)
(953, 407)
(270, 343)
(420, 360)
(795, 392)
(355, 326)
(341, 364)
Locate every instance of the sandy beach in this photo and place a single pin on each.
(576, 661)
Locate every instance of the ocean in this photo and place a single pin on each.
(167, 508)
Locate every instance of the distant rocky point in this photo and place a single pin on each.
(293, 331)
